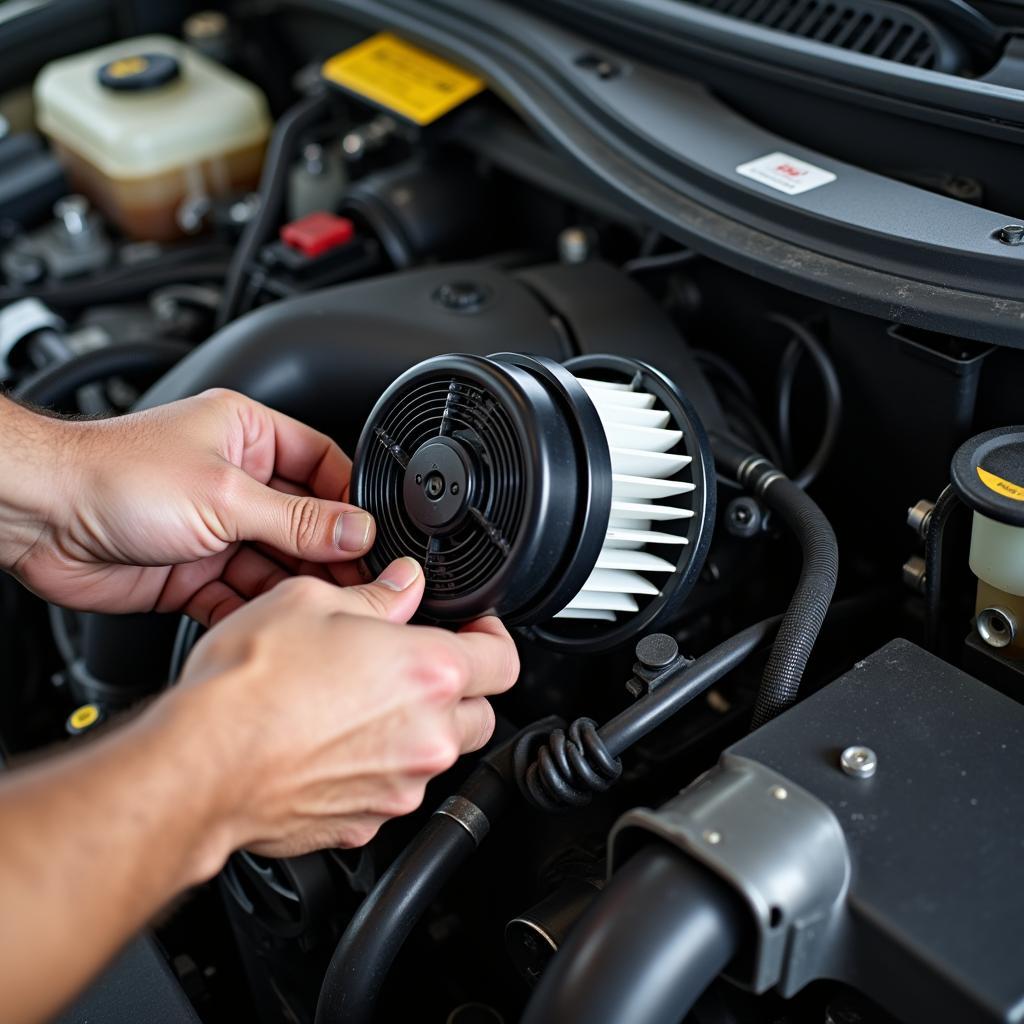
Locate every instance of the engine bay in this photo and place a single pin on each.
(758, 532)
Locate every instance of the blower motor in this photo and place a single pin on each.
(577, 500)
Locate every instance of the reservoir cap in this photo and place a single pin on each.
(988, 474)
(139, 72)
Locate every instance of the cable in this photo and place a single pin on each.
(802, 341)
(184, 640)
(662, 261)
(802, 621)
(646, 949)
(574, 764)
(56, 385)
(284, 144)
(124, 283)
(741, 415)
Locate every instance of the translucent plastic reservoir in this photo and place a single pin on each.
(146, 125)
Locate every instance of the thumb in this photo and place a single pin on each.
(394, 595)
(296, 524)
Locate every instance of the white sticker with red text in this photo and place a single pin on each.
(785, 173)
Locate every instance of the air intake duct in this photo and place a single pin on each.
(574, 499)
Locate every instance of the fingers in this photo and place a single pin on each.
(307, 457)
(474, 723)
(493, 661)
(304, 527)
(250, 574)
(394, 596)
(213, 602)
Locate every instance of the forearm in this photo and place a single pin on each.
(34, 451)
(92, 844)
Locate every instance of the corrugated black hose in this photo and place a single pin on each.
(802, 621)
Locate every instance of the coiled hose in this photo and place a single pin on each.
(802, 621)
(574, 764)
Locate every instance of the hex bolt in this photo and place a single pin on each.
(914, 573)
(919, 517)
(858, 762)
(1011, 234)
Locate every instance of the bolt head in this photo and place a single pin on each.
(712, 837)
(1011, 234)
(779, 792)
(858, 762)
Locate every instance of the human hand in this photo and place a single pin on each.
(320, 714)
(152, 511)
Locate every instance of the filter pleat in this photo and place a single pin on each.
(644, 445)
(624, 486)
(648, 510)
(658, 465)
(620, 581)
(607, 601)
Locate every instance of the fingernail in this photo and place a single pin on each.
(352, 532)
(401, 574)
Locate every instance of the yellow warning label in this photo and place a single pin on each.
(411, 82)
(1001, 486)
(83, 717)
(127, 67)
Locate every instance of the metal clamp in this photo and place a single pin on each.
(19, 320)
(781, 848)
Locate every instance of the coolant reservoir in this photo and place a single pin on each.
(988, 474)
(146, 125)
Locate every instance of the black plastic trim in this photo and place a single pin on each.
(669, 150)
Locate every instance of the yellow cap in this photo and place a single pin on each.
(83, 718)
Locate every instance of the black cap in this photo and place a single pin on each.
(139, 72)
(988, 473)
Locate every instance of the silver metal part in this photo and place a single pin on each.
(368, 137)
(468, 815)
(780, 847)
(859, 762)
(573, 245)
(996, 626)
(919, 517)
(73, 213)
(914, 573)
(18, 321)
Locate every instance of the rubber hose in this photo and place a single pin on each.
(801, 623)
(284, 144)
(56, 385)
(646, 714)
(382, 923)
(647, 948)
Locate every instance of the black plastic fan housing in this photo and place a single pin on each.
(499, 476)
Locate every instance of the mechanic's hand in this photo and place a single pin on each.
(323, 716)
(150, 510)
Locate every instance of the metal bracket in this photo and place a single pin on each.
(781, 848)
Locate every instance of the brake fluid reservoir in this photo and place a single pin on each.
(988, 473)
(147, 124)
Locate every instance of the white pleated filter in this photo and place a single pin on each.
(645, 471)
